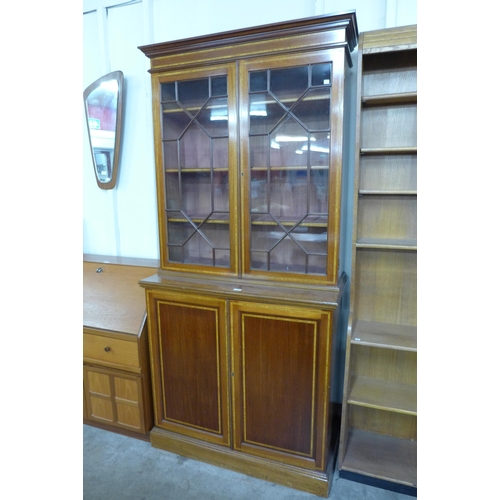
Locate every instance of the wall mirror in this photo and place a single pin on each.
(103, 102)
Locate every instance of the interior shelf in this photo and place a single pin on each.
(385, 99)
(390, 244)
(195, 170)
(320, 221)
(198, 219)
(368, 192)
(410, 150)
(383, 395)
(382, 457)
(289, 168)
(385, 335)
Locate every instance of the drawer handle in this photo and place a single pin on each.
(107, 349)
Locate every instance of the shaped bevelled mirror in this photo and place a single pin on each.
(103, 102)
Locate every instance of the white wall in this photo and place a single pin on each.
(123, 221)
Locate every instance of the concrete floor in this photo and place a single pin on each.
(116, 467)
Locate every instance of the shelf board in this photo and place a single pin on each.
(198, 219)
(386, 244)
(318, 221)
(283, 268)
(378, 192)
(408, 150)
(385, 335)
(382, 457)
(384, 99)
(383, 395)
(289, 168)
(194, 170)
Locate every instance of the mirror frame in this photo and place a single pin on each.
(118, 76)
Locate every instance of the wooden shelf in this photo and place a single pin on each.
(289, 168)
(198, 219)
(382, 457)
(320, 221)
(410, 150)
(195, 170)
(386, 99)
(389, 244)
(377, 192)
(385, 335)
(383, 395)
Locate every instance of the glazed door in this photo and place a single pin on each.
(190, 365)
(280, 363)
(196, 166)
(291, 133)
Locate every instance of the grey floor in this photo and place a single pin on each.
(116, 467)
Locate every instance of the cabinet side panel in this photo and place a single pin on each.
(190, 365)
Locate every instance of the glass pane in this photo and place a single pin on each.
(319, 149)
(196, 193)
(265, 113)
(321, 74)
(288, 196)
(205, 243)
(219, 86)
(168, 91)
(289, 159)
(287, 256)
(318, 191)
(175, 121)
(288, 84)
(288, 144)
(258, 81)
(220, 148)
(192, 94)
(259, 151)
(258, 192)
(221, 191)
(170, 158)
(214, 118)
(173, 191)
(313, 110)
(195, 148)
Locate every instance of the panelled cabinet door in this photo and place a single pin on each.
(195, 126)
(291, 133)
(190, 367)
(280, 362)
(114, 398)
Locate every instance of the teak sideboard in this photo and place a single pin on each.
(116, 375)
(242, 313)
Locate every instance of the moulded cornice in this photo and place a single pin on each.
(346, 21)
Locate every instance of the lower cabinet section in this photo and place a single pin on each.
(244, 384)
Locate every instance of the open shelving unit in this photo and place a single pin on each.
(378, 443)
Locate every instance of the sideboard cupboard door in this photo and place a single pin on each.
(281, 358)
(114, 398)
(190, 372)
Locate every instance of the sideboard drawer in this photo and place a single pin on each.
(110, 351)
